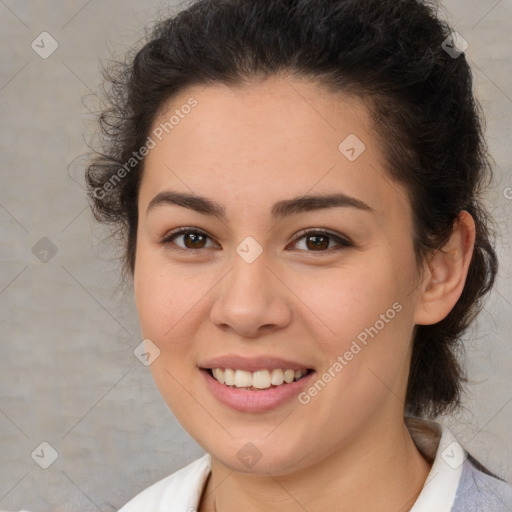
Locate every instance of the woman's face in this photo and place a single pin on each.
(256, 284)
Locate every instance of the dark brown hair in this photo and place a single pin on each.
(390, 53)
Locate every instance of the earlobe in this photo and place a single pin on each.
(446, 273)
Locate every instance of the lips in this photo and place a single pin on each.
(260, 398)
(256, 400)
(252, 364)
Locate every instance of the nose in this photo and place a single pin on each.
(251, 300)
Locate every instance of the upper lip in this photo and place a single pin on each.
(252, 364)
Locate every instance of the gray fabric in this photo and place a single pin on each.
(480, 492)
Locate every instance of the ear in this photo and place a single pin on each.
(446, 272)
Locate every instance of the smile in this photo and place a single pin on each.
(250, 398)
(261, 379)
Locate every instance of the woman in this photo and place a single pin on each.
(297, 184)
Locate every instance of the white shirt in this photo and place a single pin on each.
(454, 483)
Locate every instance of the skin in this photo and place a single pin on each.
(247, 148)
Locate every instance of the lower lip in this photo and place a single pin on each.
(255, 401)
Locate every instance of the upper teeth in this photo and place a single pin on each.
(261, 379)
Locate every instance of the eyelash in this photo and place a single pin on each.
(343, 243)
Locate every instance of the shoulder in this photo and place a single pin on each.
(175, 492)
(480, 491)
(457, 482)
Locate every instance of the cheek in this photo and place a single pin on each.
(164, 308)
(362, 323)
(347, 300)
(160, 297)
(172, 304)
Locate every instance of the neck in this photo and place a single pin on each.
(378, 470)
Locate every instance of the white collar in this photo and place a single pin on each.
(435, 441)
(182, 490)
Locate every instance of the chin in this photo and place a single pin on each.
(261, 458)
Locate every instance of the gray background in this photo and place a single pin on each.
(68, 375)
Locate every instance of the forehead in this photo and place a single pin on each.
(277, 138)
(297, 119)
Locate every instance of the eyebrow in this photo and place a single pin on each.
(281, 209)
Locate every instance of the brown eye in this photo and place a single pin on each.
(315, 241)
(319, 241)
(194, 240)
(191, 239)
